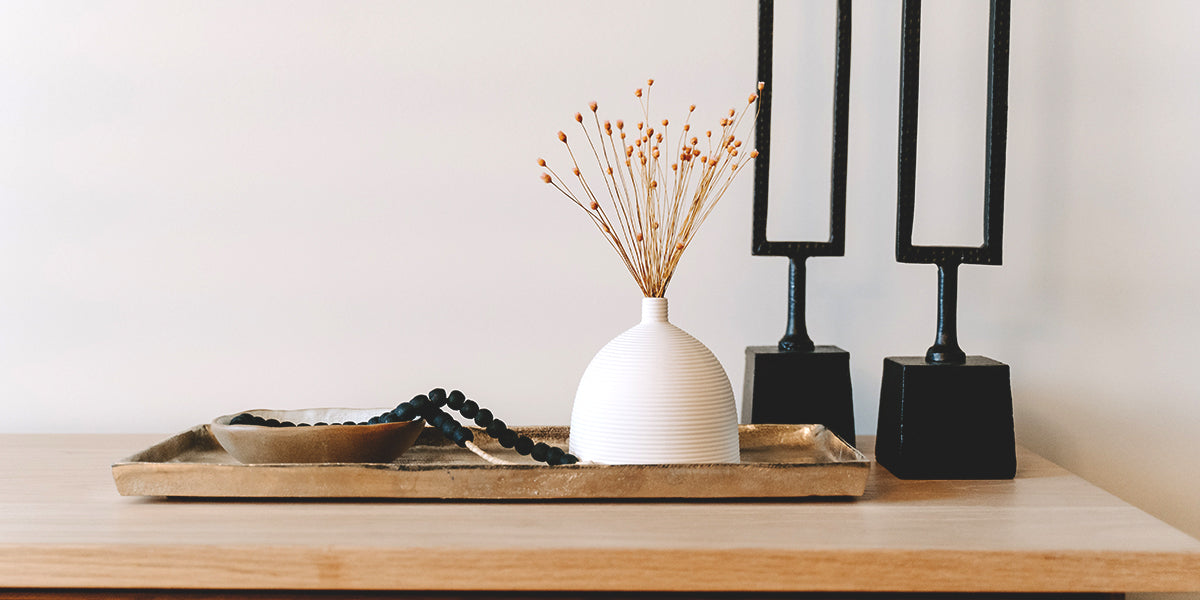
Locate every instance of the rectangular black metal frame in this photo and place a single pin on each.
(990, 253)
(836, 244)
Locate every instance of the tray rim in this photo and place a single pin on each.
(856, 461)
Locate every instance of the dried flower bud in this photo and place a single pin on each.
(712, 162)
(604, 227)
(732, 112)
(655, 153)
(706, 133)
(724, 122)
(638, 142)
(679, 246)
(608, 128)
(754, 154)
(761, 85)
(609, 170)
(595, 205)
(658, 137)
(650, 131)
(737, 144)
(674, 166)
(640, 125)
(695, 152)
(653, 184)
(733, 167)
(686, 126)
(562, 137)
(638, 92)
(753, 97)
(664, 121)
(620, 124)
(695, 140)
(628, 151)
(578, 118)
(575, 171)
(541, 162)
(592, 105)
(733, 152)
(638, 237)
(649, 82)
(692, 108)
(546, 177)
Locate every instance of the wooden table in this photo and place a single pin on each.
(63, 527)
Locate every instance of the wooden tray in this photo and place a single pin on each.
(777, 461)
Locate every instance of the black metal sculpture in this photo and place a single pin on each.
(798, 381)
(949, 415)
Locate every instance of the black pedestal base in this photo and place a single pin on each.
(946, 421)
(799, 388)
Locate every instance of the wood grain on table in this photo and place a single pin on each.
(63, 525)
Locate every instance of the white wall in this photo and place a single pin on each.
(212, 206)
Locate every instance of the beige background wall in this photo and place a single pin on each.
(212, 206)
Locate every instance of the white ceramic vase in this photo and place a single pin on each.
(654, 395)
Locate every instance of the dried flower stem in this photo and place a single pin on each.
(657, 197)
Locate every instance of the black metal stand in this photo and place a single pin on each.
(803, 387)
(797, 381)
(949, 415)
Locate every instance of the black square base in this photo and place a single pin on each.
(946, 421)
(799, 388)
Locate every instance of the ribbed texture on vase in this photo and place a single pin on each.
(654, 395)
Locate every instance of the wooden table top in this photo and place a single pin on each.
(62, 524)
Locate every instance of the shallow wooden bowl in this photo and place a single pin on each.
(256, 444)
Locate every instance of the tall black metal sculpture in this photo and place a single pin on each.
(797, 381)
(948, 415)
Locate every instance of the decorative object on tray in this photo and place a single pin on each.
(949, 399)
(797, 381)
(356, 435)
(654, 394)
(778, 461)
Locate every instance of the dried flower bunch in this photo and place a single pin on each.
(658, 194)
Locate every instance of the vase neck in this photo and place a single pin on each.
(654, 310)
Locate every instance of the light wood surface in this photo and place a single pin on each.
(63, 525)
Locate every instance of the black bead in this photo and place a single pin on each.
(320, 424)
(539, 451)
(419, 402)
(242, 419)
(469, 408)
(439, 419)
(377, 420)
(404, 412)
(303, 425)
(484, 418)
(495, 428)
(257, 420)
(462, 436)
(271, 423)
(524, 445)
(437, 397)
(507, 438)
(348, 423)
(455, 400)
(449, 427)
(286, 424)
(555, 455)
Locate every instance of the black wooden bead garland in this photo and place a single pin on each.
(429, 407)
